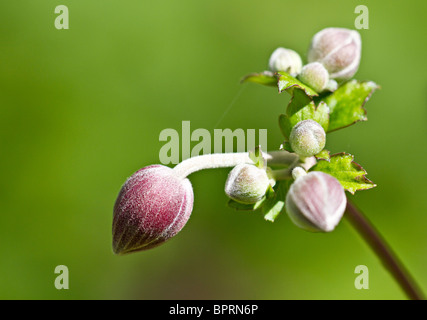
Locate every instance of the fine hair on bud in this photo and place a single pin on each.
(307, 138)
(153, 206)
(285, 60)
(247, 183)
(315, 75)
(316, 202)
(339, 50)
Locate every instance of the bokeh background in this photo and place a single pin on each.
(82, 109)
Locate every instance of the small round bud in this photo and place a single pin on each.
(339, 50)
(332, 85)
(298, 172)
(307, 138)
(316, 202)
(153, 206)
(315, 75)
(285, 60)
(247, 183)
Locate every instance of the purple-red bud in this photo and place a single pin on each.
(152, 206)
(316, 202)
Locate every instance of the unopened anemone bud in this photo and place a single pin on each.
(247, 183)
(332, 85)
(316, 202)
(153, 205)
(339, 50)
(315, 75)
(307, 138)
(285, 60)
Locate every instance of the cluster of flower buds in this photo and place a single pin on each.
(334, 55)
(155, 203)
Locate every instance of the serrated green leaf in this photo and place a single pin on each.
(319, 114)
(288, 83)
(266, 78)
(323, 155)
(276, 204)
(245, 207)
(346, 104)
(349, 173)
(298, 101)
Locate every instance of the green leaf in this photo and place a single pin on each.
(286, 146)
(288, 83)
(298, 101)
(320, 114)
(266, 78)
(346, 104)
(246, 207)
(256, 156)
(349, 173)
(276, 204)
(323, 155)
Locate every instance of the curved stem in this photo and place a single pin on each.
(280, 158)
(224, 160)
(383, 251)
(282, 174)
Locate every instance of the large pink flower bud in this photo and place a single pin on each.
(153, 206)
(339, 51)
(316, 202)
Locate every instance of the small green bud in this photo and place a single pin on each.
(315, 75)
(247, 183)
(307, 138)
(285, 60)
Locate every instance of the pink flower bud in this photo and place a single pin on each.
(338, 49)
(316, 202)
(153, 206)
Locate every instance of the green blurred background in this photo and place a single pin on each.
(82, 109)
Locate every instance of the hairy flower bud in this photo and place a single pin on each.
(316, 202)
(247, 183)
(153, 206)
(315, 75)
(307, 138)
(332, 85)
(339, 50)
(286, 60)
